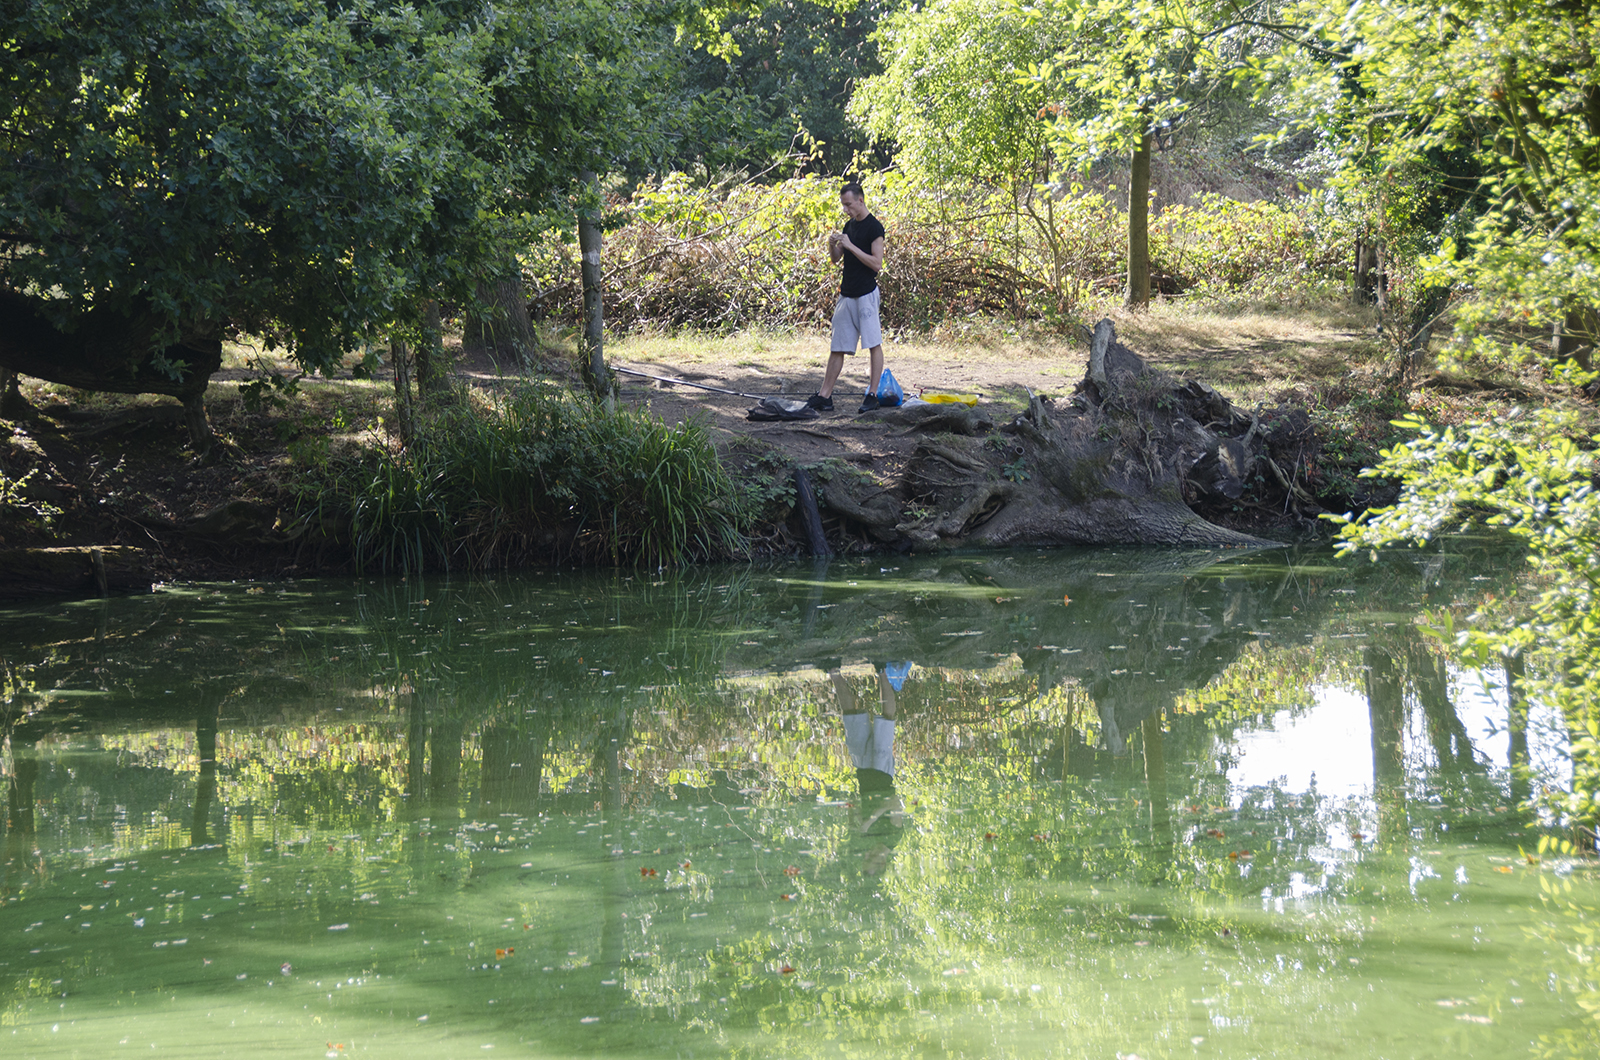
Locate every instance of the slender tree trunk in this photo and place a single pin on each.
(194, 418)
(416, 750)
(205, 789)
(19, 855)
(513, 765)
(1361, 284)
(595, 375)
(432, 372)
(1386, 712)
(1137, 294)
(1155, 779)
(1517, 733)
(1446, 732)
(1380, 281)
(444, 758)
(404, 412)
(19, 789)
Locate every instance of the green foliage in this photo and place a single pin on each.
(285, 168)
(746, 254)
(956, 98)
(17, 507)
(768, 481)
(307, 173)
(538, 475)
(1572, 934)
(1222, 245)
(774, 85)
(1117, 72)
(1469, 132)
(952, 95)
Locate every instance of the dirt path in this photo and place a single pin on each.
(1249, 357)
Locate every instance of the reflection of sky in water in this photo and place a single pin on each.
(1332, 742)
(1480, 699)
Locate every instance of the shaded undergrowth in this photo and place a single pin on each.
(535, 475)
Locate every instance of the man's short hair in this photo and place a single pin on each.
(853, 188)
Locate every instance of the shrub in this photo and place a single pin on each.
(538, 475)
(734, 256)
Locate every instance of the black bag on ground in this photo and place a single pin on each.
(782, 409)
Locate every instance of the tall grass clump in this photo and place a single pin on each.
(538, 475)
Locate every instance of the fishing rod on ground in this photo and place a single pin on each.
(698, 386)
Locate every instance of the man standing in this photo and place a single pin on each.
(860, 247)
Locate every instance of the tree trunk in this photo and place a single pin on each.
(1426, 308)
(205, 740)
(12, 404)
(499, 324)
(1429, 677)
(1361, 284)
(444, 757)
(1386, 712)
(811, 518)
(1517, 732)
(432, 371)
(1575, 336)
(109, 348)
(198, 424)
(595, 375)
(1380, 278)
(513, 765)
(416, 749)
(1137, 293)
(1155, 779)
(404, 409)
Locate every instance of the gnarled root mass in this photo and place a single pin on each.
(1133, 457)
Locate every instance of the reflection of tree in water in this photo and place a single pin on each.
(497, 700)
(1036, 821)
(572, 718)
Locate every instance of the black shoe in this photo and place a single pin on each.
(820, 403)
(869, 404)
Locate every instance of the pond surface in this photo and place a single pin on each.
(1142, 804)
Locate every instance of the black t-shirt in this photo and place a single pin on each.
(858, 279)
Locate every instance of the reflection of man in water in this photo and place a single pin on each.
(878, 818)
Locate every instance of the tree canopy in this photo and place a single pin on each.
(1491, 107)
(176, 170)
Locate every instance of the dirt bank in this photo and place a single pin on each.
(113, 474)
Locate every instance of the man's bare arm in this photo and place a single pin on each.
(872, 260)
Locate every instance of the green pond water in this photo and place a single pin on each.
(1144, 804)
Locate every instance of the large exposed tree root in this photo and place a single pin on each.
(1126, 461)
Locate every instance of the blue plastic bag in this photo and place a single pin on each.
(889, 393)
(897, 673)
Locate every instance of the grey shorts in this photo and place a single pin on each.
(871, 742)
(856, 320)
